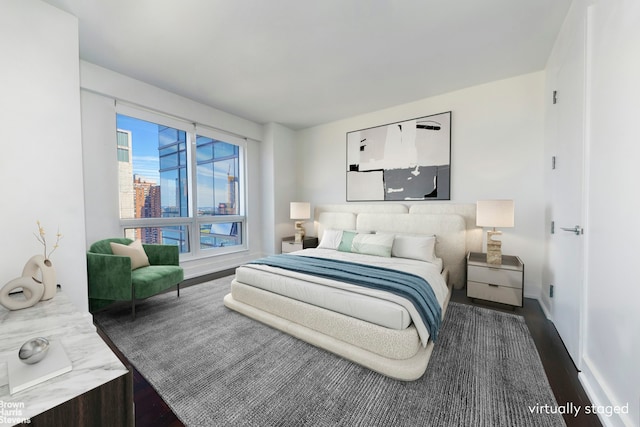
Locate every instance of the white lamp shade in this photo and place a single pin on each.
(495, 213)
(300, 210)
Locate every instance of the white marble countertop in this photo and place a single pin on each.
(57, 319)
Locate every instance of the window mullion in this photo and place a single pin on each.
(194, 230)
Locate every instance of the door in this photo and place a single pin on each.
(567, 209)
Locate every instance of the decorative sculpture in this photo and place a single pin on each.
(47, 273)
(33, 289)
(33, 350)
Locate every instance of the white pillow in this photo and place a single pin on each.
(419, 247)
(135, 251)
(330, 239)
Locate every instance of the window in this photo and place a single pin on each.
(180, 184)
(218, 170)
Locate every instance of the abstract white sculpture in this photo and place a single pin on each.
(33, 288)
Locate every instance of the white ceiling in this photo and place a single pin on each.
(302, 63)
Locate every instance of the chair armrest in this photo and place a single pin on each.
(109, 276)
(162, 254)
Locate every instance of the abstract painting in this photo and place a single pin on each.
(408, 160)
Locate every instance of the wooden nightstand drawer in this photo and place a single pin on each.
(502, 294)
(503, 283)
(495, 276)
(291, 247)
(289, 244)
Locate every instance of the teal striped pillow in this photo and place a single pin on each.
(347, 241)
(373, 244)
(368, 244)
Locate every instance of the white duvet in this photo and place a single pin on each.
(429, 271)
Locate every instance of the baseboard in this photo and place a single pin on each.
(599, 395)
(207, 277)
(544, 308)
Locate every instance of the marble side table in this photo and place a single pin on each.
(98, 389)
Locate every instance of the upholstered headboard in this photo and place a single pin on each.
(455, 230)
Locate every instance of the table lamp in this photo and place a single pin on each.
(299, 211)
(494, 213)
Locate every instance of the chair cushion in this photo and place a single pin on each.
(134, 250)
(104, 247)
(148, 281)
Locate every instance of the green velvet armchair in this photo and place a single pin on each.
(111, 279)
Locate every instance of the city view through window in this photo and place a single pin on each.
(155, 166)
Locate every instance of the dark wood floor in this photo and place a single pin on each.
(151, 410)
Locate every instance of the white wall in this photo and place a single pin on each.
(611, 319)
(41, 162)
(497, 152)
(279, 184)
(100, 87)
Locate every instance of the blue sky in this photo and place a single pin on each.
(145, 146)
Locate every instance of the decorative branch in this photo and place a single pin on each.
(41, 237)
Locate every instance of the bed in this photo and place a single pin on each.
(377, 329)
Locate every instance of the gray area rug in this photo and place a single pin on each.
(216, 367)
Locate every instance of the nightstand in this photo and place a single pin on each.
(502, 283)
(289, 244)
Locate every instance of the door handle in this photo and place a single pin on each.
(577, 230)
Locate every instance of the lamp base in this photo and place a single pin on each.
(299, 236)
(494, 248)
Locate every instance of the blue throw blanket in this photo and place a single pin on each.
(414, 288)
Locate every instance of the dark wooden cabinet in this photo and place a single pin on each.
(109, 405)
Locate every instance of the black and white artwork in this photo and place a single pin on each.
(408, 160)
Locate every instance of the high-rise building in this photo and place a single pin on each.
(125, 172)
(232, 190)
(147, 205)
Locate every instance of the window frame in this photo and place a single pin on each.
(193, 221)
